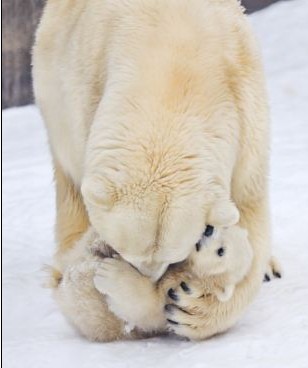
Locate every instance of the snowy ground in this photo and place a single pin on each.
(273, 333)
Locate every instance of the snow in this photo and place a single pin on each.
(274, 331)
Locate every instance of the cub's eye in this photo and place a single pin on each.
(208, 231)
(220, 251)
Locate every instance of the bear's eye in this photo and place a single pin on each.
(208, 231)
(220, 251)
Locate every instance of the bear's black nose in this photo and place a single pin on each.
(208, 230)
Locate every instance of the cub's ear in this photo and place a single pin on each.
(95, 192)
(223, 214)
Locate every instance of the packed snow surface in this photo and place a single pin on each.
(274, 331)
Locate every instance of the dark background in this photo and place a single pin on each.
(19, 20)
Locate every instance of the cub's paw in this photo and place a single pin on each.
(273, 270)
(127, 291)
(195, 313)
(187, 310)
(112, 275)
(186, 295)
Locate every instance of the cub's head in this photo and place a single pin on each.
(222, 250)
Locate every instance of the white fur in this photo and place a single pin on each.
(155, 110)
(228, 270)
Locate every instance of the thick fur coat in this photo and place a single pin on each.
(155, 110)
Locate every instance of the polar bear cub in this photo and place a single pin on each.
(221, 260)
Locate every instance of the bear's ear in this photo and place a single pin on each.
(223, 214)
(95, 192)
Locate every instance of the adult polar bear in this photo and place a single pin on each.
(155, 110)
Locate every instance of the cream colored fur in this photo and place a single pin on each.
(155, 110)
(219, 274)
(206, 273)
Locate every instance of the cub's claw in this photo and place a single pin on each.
(185, 287)
(173, 295)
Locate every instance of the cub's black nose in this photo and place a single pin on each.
(208, 230)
